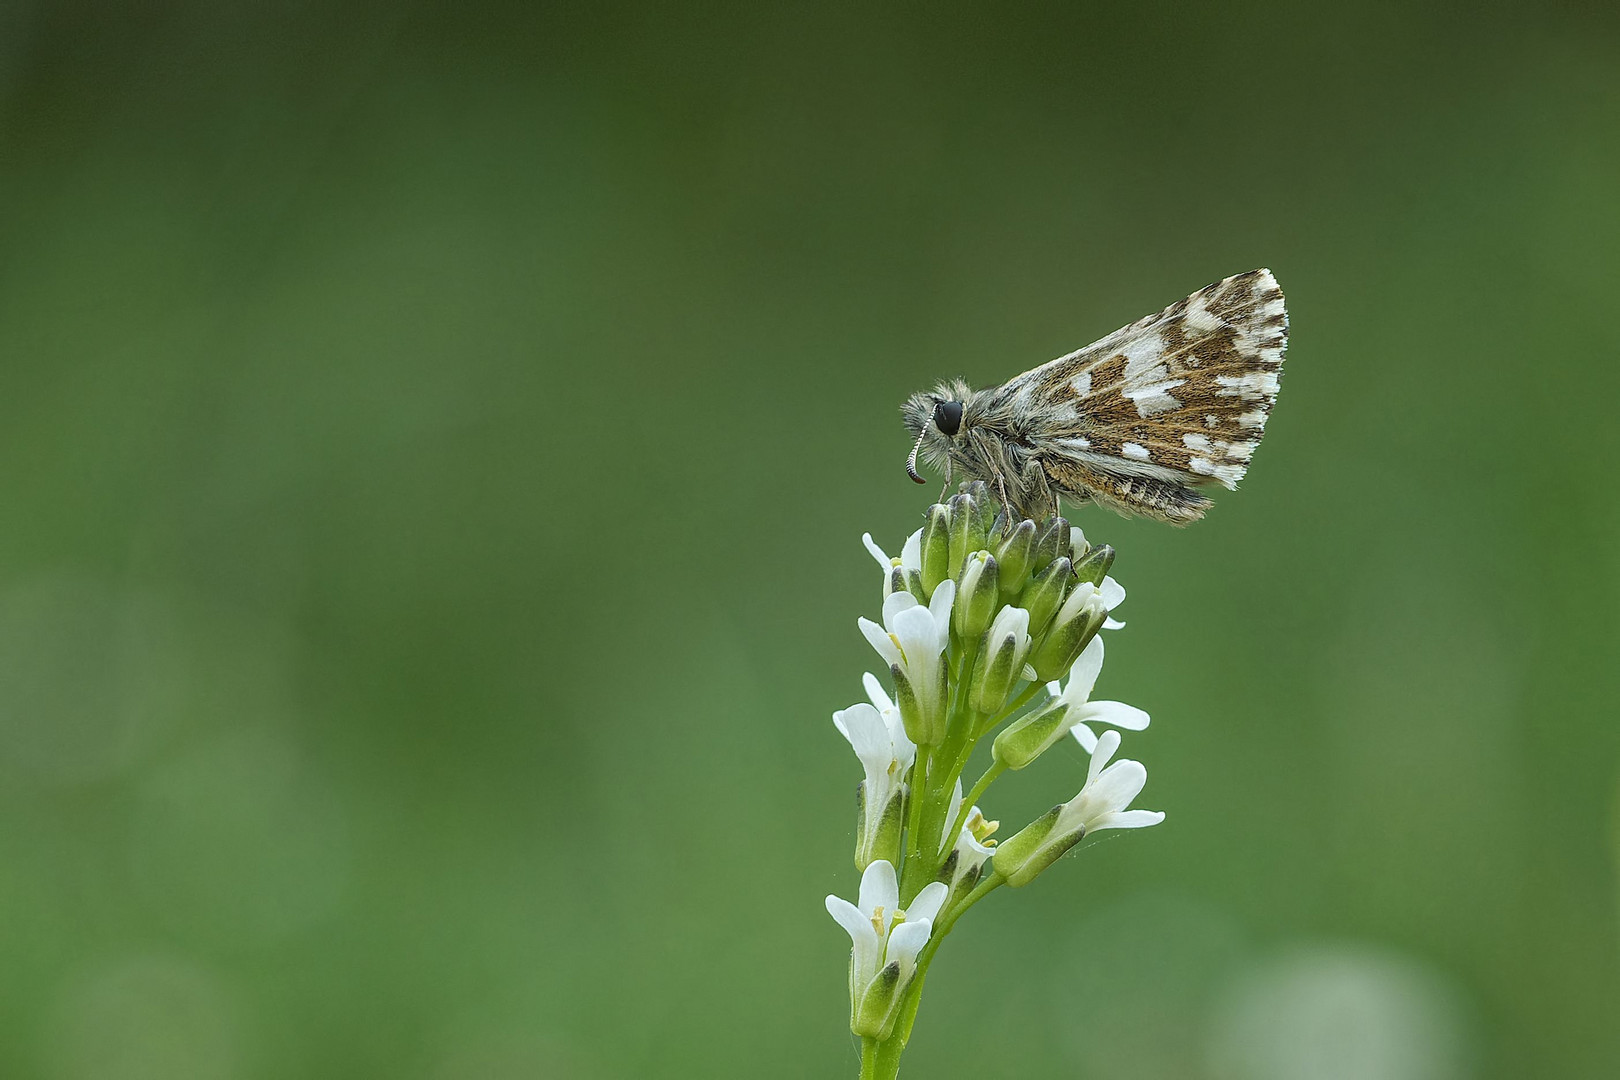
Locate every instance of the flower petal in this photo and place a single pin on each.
(940, 607)
(1117, 713)
(1113, 593)
(906, 941)
(1085, 737)
(874, 690)
(911, 554)
(927, 903)
(880, 889)
(894, 604)
(855, 922)
(1083, 674)
(868, 736)
(880, 640)
(918, 636)
(1114, 789)
(1107, 746)
(1128, 819)
(878, 553)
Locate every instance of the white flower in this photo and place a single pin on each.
(1108, 791)
(879, 740)
(1082, 710)
(884, 943)
(895, 571)
(912, 641)
(1101, 804)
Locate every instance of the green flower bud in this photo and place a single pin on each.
(1045, 594)
(936, 556)
(1076, 623)
(1001, 660)
(1094, 566)
(1031, 736)
(1040, 844)
(1052, 542)
(968, 531)
(977, 597)
(987, 505)
(1016, 553)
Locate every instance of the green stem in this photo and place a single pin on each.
(1018, 703)
(870, 1048)
(919, 792)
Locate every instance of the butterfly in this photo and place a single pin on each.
(1136, 422)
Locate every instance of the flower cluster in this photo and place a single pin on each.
(990, 631)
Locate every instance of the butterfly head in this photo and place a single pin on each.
(935, 417)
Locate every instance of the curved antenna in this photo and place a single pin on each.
(911, 461)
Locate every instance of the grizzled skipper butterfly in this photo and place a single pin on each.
(1133, 422)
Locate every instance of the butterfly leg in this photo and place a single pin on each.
(945, 488)
(1035, 492)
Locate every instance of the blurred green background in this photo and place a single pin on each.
(434, 446)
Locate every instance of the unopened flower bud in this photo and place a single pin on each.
(968, 531)
(1001, 659)
(1076, 623)
(1052, 542)
(1044, 595)
(978, 595)
(979, 492)
(1094, 566)
(1022, 742)
(936, 555)
(1015, 553)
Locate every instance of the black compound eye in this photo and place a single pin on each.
(948, 417)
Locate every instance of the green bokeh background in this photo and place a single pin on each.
(434, 446)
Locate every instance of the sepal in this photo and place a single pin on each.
(1045, 594)
(1001, 660)
(1022, 742)
(935, 554)
(968, 531)
(978, 595)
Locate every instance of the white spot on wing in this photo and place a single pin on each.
(1227, 475)
(1142, 360)
(1199, 317)
(1155, 399)
(1135, 450)
(1081, 383)
(1250, 386)
(1079, 442)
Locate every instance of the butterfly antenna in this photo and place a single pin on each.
(911, 461)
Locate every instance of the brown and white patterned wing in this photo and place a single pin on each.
(1181, 396)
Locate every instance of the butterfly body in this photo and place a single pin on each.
(1135, 422)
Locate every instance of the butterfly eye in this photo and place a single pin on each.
(948, 417)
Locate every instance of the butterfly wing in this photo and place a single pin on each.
(1177, 399)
